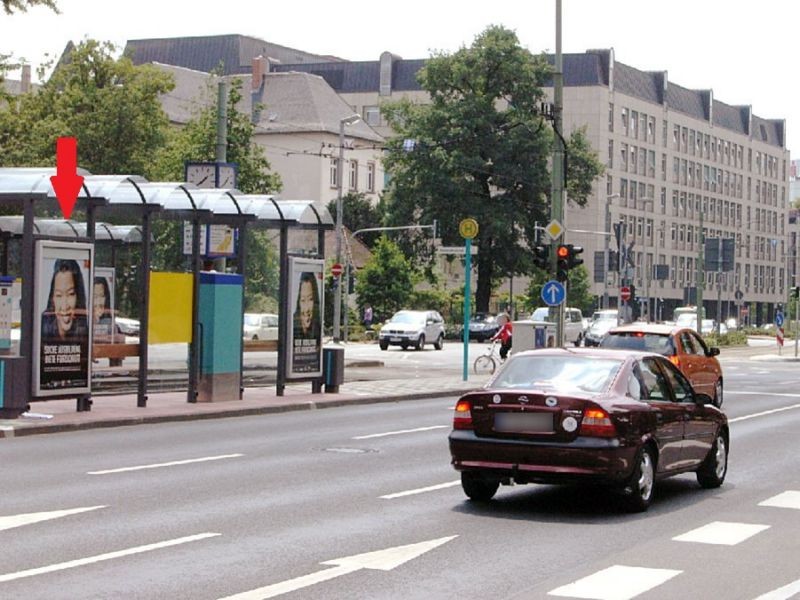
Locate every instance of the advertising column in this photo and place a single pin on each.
(304, 339)
(62, 319)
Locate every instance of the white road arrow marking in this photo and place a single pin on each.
(101, 557)
(381, 560)
(12, 521)
(166, 464)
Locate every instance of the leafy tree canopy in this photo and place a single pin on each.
(481, 150)
(9, 6)
(386, 281)
(359, 213)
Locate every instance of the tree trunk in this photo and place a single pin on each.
(483, 287)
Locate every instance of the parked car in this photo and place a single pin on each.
(681, 345)
(602, 321)
(260, 326)
(127, 326)
(573, 323)
(413, 328)
(592, 416)
(482, 326)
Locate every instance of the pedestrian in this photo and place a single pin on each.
(368, 316)
(504, 334)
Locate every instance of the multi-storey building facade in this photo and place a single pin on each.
(674, 158)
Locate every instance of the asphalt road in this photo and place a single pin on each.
(213, 509)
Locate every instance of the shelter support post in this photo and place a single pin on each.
(194, 345)
(144, 309)
(285, 313)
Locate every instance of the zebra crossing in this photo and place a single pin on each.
(623, 582)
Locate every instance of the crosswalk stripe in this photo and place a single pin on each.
(722, 533)
(788, 499)
(618, 582)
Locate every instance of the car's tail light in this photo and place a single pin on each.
(463, 415)
(597, 423)
(675, 360)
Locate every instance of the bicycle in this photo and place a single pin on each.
(486, 363)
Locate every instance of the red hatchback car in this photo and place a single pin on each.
(585, 415)
(681, 345)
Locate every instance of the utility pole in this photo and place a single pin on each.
(701, 275)
(557, 195)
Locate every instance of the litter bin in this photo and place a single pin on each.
(332, 369)
(13, 392)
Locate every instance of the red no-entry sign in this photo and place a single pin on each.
(337, 269)
(625, 293)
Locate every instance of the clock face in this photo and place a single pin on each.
(201, 175)
(227, 176)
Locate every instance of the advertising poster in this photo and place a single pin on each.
(103, 309)
(304, 339)
(62, 320)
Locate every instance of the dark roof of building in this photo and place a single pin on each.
(234, 53)
(354, 77)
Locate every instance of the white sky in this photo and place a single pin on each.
(739, 48)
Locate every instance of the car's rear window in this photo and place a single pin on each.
(560, 373)
(635, 340)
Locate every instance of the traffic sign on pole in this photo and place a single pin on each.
(625, 293)
(553, 293)
(337, 269)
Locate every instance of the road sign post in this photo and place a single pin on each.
(337, 270)
(468, 228)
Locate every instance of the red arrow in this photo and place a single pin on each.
(66, 182)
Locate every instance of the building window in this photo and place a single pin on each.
(334, 173)
(624, 115)
(610, 164)
(372, 115)
(370, 176)
(353, 179)
(611, 117)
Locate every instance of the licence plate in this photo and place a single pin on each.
(394, 339)
(523, 422)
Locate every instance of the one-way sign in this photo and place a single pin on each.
(553, 293)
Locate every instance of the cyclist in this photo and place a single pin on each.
(504, 335)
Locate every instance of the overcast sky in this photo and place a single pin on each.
(739, 48)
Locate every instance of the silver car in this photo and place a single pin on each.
(413, 328)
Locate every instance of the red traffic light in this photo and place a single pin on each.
(563, 252)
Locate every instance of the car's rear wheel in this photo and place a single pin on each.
(439, 342)
(477, 487)
(712, 472)
(579, 340)
(718, 394)
(642, 482)
(420, 342)
(383, 345)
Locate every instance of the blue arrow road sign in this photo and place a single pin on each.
(779, 319)
(553, 293)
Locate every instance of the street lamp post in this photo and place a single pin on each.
(606, 252)
(337, 301)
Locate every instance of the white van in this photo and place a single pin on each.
(573, 323)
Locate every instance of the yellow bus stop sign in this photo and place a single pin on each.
(468, 228)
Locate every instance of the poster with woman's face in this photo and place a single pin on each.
(62, 318)
(304, 358)
(103, 305)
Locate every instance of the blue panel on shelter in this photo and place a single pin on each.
(220, 315)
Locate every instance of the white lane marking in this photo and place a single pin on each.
(379, 560)
(400, 432)
(431, 488)
(722, 533)
(764, 413)
(616, 583)
(167, 464)
(784, 593)
(790, 499)
(102, 557)
(745, 393)
(12, 521)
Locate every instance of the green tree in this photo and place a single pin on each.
(387, 280)
(110, 105)
(578, 290)
(23, 5)
(359, 213)
(481, 150)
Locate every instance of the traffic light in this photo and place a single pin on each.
(541, 257)
(795, 292)
(568, 258)
(562, 263)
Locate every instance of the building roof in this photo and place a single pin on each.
(232, 52)
(292, 102)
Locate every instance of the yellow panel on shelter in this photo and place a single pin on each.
(170, 314)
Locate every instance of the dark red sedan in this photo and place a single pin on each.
(586, 415)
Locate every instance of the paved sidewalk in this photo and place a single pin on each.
(54, 416)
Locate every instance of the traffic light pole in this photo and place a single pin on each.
(557, 196)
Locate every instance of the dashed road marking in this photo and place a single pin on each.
(783, 593)
(616, 583)
(12, 521)
(166, 464)
(788, 499)
(431, 488)
(722, 533)
(766, 412)
(400, 432)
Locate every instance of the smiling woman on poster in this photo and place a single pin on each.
(307, 326)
